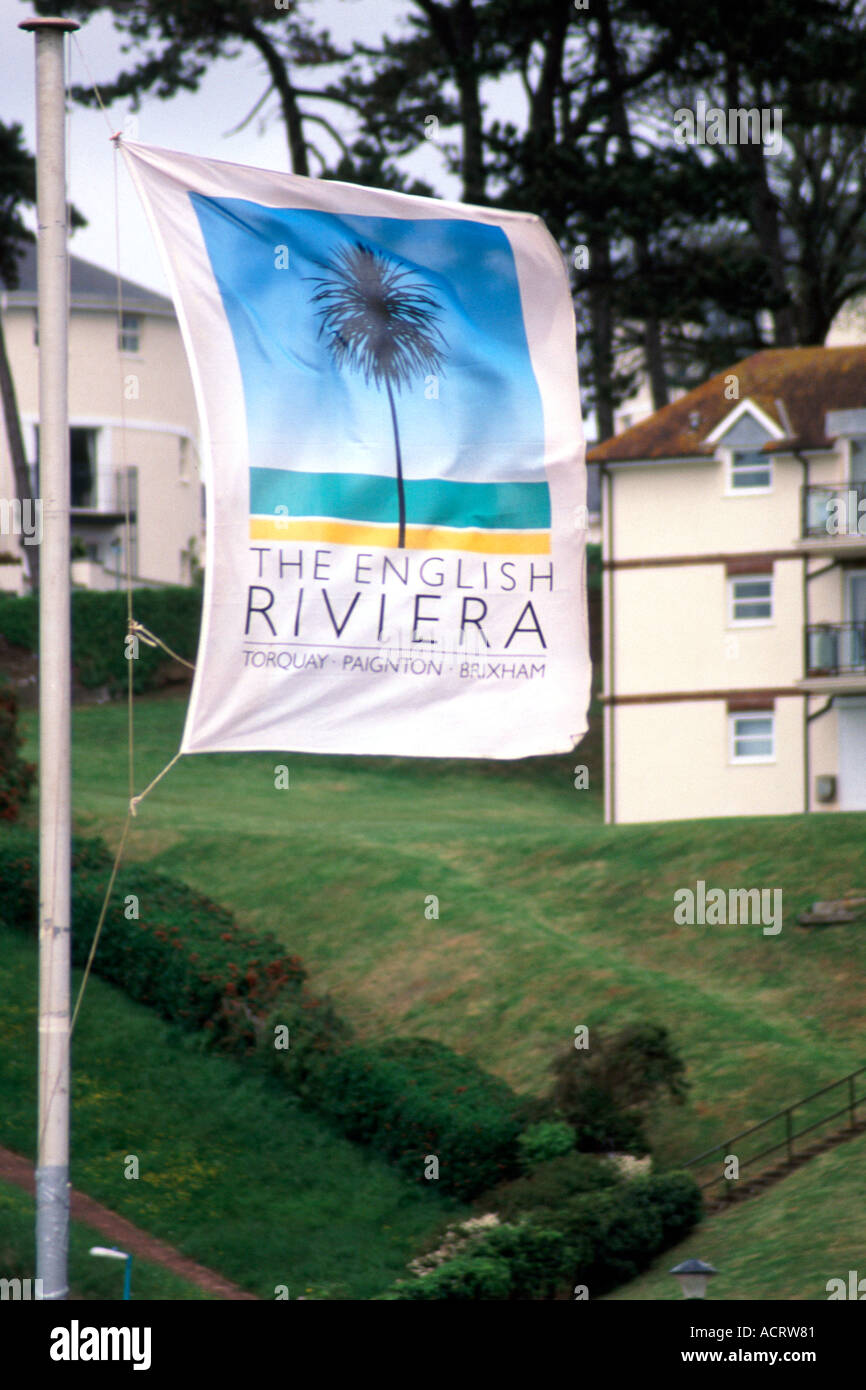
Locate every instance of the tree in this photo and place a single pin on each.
(175, 41)
(605, 1091)
(380, 321)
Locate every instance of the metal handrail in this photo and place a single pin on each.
(849, 1108)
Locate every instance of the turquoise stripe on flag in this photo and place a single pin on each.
(429, 501)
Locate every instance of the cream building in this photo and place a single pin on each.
(734, 550)
(132, 425)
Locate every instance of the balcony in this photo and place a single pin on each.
(833, 519)
(103, 498)
(835, 658)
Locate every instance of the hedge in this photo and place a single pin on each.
(182, 953)
(185, 956)
(596, 1241)
(16, 775)
(99, 630)
(412, 1099)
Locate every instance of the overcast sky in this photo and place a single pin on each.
(194, 122)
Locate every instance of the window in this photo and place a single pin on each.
(130, 332)
(751, 471)
(753, 737)
(82, 467)
(750, 600)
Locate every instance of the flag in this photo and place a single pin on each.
(394, 460)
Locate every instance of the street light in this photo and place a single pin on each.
(114, 1254)
(694, 1275)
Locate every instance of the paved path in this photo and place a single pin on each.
(122, 1233)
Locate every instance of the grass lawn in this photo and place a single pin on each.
(783, 1245)
(89, 1276)
(547, 918)
(231, 1170)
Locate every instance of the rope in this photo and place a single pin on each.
(134, 628)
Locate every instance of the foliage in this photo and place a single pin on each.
(163, 943)
(465, 1278)
(598, 1240)
(544, 1140)
(99, 629)
(16, 774)
(553, 1183)
(605, 1090)
(412, 1098)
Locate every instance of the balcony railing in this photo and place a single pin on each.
(835, 649)
(837, 509)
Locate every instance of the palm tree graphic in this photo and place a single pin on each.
(380, 319)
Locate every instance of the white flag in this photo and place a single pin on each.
(394, 458)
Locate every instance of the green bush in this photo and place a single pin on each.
(19, 620)
(99, 629)
(16, 775)
(551, 1184)
(410, 1098)
(597, 1239)
(465, 1278)
(182, 953)
(534, 1256)
(606, 1090)
(544, 1140)
(185, 956)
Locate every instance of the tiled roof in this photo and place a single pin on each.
(795, 387)
(90, 286)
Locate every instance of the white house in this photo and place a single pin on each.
(734, 552)
(130, 371)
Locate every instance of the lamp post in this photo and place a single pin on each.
(694, 1275)
(114, 1254)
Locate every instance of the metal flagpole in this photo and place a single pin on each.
(52, 1169)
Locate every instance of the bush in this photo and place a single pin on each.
(466, 1277)
(16, 775)
(99, 632)
(176, 950)
(410, 1098)
(597, 1239)
(547, 1139)
(186, 957)
(552, 1184)
(606, 1090)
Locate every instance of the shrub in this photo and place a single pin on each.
(535, 1258)
(552, 1184)
(16, 775)
(597, 1239)
(99, 632)
(466, 1277)
(547, 1139)
(606, 1090)
(410, 1098)
(183, 954)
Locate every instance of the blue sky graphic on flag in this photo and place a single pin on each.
(321, 439)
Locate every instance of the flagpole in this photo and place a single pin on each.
(52, 1167)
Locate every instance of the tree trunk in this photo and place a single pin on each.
(292, 117)
(601, 336)
(16, 449)
(401, 490)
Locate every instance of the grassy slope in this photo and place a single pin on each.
(89, 1277)
(786, 1244)
(232, 1172)
(547, 917)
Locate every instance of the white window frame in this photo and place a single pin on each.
(744, 760)
(731, 490)
(733, 620)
